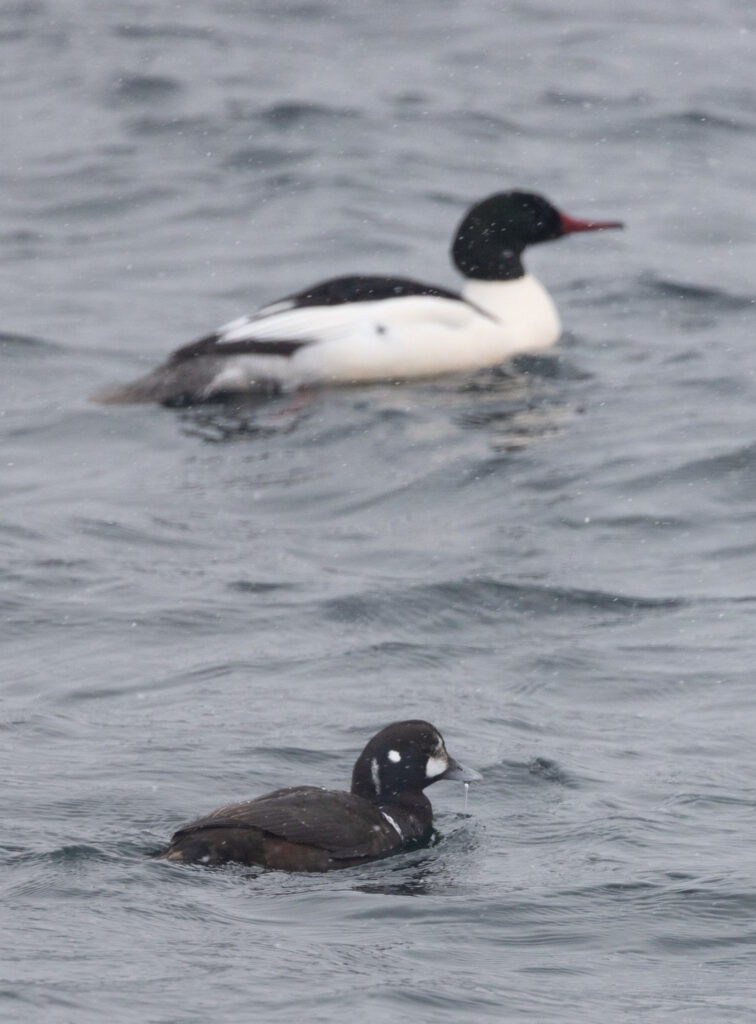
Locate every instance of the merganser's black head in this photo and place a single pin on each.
(494, 232)
(405, 758)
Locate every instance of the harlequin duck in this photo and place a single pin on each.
(305, 828)
(367, 327)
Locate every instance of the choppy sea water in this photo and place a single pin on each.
(555, 562)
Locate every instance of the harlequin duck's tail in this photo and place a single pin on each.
(214, 846)
(217, 846)
(187, 853)
(174, 855)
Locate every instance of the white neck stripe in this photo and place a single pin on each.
(393, 824)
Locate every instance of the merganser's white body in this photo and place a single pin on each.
(357, 329)
(393, 339)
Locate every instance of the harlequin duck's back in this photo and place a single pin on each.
(304, 828)
(299, 829)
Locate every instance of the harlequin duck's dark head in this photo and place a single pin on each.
(494, 232)
(405, 758)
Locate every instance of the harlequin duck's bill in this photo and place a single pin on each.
(370, 327)
(456, 772)
(304, 828)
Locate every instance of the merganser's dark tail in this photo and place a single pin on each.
(180, 382)
(173, 383)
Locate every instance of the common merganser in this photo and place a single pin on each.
(373, 328)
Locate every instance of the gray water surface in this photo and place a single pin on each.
(554, 562)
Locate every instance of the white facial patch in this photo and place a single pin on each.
(395, 756)
(436, 765)
(375, 775)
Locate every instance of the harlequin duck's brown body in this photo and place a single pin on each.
(304, 828)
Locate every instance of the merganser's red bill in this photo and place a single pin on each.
(571, 224)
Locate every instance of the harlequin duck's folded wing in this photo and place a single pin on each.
(241, 815)
(345, 826)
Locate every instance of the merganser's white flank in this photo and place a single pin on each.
(371, 328)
